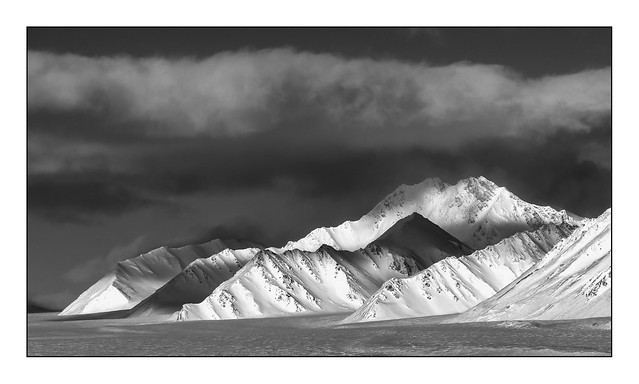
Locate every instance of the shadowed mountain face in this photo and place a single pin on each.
(423, 240)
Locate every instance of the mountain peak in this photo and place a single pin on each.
(479, 181)
(476, 211)
(480, 187)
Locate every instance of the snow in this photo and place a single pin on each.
(135, 279)
(321, 335)
(294, 282)
(572, 281)
(102, 296)
(454, 285)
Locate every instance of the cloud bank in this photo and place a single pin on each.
(239, 93)
(111, 135)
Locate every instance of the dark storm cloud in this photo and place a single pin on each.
(555, 169)
(435, 35)
(240, 93)
(551, 171)
(77, 196)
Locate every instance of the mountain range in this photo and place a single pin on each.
(428, 249)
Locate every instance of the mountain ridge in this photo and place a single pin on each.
(136, 278)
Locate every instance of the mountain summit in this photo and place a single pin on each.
(475, 210)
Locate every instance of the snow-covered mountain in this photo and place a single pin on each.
(331, 269)
(135, 279)
(325, 280)
(475, 210)
(454, 285)
(572, 281)
(195, 282)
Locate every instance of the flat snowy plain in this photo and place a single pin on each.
(317, 336)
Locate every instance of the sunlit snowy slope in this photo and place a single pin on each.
(572, 281)
(454, 285)
(325, 280)
(137, 278)
(475, 210)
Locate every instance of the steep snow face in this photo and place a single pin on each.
(572, 281)
(475, 211)
(454, 285)
(135, 279)
(195, 282)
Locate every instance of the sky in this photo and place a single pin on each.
(144, 137)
